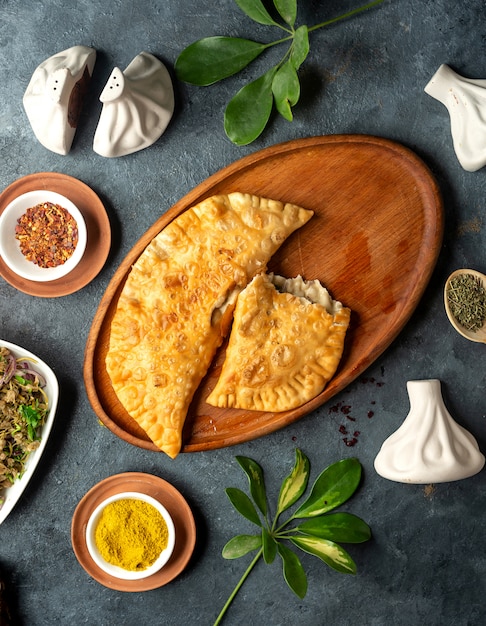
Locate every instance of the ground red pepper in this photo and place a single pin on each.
(47, 234)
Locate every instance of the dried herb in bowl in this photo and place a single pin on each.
(466, 297)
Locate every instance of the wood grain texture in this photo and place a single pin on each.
(373, 242)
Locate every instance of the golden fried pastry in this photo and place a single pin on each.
(177, 304)
(285, 345)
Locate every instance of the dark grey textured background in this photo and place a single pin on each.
(426, 563)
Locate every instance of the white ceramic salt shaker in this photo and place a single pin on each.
(138, 104)
(429, 447)
(465, 99)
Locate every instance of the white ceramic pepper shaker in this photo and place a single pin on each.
(55, 95)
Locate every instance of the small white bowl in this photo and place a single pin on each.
(120, 572)
(10, 247)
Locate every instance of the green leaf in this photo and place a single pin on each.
(295, 484)
(256, 482)
(243, 504)
(257, 12)
(33, 419)
(342, 527)
(286, 90)
(269, 546)
(333, 487)
(331, 553)
(300, 47)
(287, 10)
(293, 572)
(241, 545)
(336, 484)
(249, 110)
(211, 59)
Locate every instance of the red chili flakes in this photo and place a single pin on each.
(47, 234)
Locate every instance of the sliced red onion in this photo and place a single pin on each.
(30, 374)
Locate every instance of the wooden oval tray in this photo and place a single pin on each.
(373, 242)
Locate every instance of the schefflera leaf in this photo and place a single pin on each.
(333, 487)
(249, 110)
(286, 89)
(287, 10)
(256, 10)
(256, 482)
(295, 483)
(243, 505)
(317, 535)
(294, 573)
(300, 46)
(331, 553)
(212, 59)
(269, 546)
(241, 545)
(341, 527)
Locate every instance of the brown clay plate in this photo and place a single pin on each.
(97, 223)
(373, 242)
(150, 485)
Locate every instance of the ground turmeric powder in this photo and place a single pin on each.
(131, 534)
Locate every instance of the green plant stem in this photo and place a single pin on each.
(285, 534)
(278, 530)
(345, 15)
(275, 43)
(323, 24)
(237, 588)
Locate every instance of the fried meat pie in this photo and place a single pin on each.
(285, 345)
(177, 304)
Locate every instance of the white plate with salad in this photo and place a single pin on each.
(29, 393)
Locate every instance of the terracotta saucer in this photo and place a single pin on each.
(99, 233)
(153, 486)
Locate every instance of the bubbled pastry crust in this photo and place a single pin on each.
(178, 300)
(283, 349)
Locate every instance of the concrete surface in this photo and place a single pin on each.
(426, 563)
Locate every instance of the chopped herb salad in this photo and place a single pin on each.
(23, 412)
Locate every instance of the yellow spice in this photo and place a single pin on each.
(131, 534)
